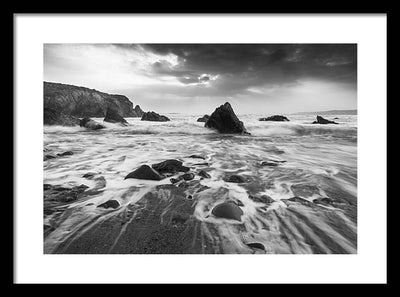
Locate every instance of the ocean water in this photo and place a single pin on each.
(320, 162)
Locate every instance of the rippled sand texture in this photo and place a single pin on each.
(320, 170)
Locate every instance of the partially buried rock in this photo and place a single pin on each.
(235, 179)
(224, 120)
(197, 157)
(155, 117)
(175, 180)
(90, 124)
(48, 157)
(228, 210)
(68, 153)
(170, 166)
(188, 176)
(321, 120)
(275, 118)
(204, 174)
(145, 172)
(62, 194)
(89, 175)
(110, 204)
(204, 118)
(113, 116)
(256, 245)
(297, 200)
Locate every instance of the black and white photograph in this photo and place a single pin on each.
(200, 148)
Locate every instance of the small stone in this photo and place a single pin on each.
(89, 175)
(110, 204)
(256, 245)
(68, 153)
(174, 180)
(196, 157)
(188, 176)
(204, 174)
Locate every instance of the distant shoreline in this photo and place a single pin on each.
(329, 112)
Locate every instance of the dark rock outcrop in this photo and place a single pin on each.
(228, 210)
(113, 116)
(275, 118)
(321, 120)
(138, 111)
(170, 166)
(224, 120)
(145, 172)
(204, 118)
(84, 102)
(154, 117)
(90, 124)
(54, 117)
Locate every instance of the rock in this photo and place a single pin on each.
(89, 175)
(196, 157)
(145, 172)
(188, 176)
(138, 111)
(235, 179)
(304, 190)
(113, 116)
(204, 174)
(62, 194)
(224, 120)
(204, 118)
(67, 153)
(323, 200)
(238, 203)
(155, 117)
(48, 157)
(110, 204)
(170, 166)
(275, 118)
(297, 200)
(53, 117)
(175, 180)
(269, 163)
(263, 199)
(90, 124)
(83, 102)
(227, 210)
(256, 245)
(321, 120)
(336, 118)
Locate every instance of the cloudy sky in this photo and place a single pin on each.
(196, 78)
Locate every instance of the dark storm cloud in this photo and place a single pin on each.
(240, 66)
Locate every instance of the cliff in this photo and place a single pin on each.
(85, 102)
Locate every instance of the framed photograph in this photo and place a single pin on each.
(200, 148)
